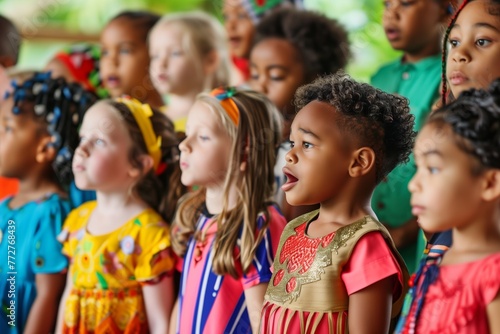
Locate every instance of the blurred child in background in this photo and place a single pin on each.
(188, 55)
(240, 18)
(124, 67)
(292, 48)
(416, 29)
(39, 124)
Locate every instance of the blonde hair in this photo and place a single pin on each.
(203, 34)
(254, 142)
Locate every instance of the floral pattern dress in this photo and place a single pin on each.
(107, 271)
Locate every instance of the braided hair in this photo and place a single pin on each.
(474, 118)
(60, 106)
(444, 54)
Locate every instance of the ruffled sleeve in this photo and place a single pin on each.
(47, 257)
(489, 280)
(74, 228)
(155, 258)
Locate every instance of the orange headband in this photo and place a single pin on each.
(224, 95)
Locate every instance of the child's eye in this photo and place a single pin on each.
(99, 142)
(277, 78)
(176, 53)
(483, 42)
(204, 138)
(104, 52)
(406, 3)
(454, 43)
(292, 144)
(307, 145)
(125, 51)
(433, 170)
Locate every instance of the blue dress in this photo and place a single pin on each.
(28, 246)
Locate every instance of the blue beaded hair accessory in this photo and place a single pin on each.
(61, 106)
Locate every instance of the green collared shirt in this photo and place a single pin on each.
(418, 82)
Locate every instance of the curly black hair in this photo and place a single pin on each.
(371, 117)
(59, 107)
(322, 42)
(474, 118)
(144, 20)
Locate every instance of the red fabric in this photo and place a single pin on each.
(79, 66)
(371, 261)
(8, 187)
(456, 302)
(243, 66)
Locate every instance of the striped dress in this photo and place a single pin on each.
(211, 303)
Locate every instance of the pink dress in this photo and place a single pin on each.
(456, 302)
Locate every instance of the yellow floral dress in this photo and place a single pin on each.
(108, 270)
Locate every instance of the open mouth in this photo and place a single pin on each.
(291, 181)
(392, 34)
(112, 81)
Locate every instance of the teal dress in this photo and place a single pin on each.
(418, 82)
(28, 235)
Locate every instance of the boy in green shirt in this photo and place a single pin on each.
(414, 27)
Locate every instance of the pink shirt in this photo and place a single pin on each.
(456, 302)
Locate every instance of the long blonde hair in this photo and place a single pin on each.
(203, 34)
(254, 141)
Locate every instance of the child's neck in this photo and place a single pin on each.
(34, 188)
(415, 56)
(215, 199)
(179, 105)
(113, 211)
(476, 239)
(346, 208)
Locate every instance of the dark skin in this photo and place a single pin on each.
(344, 197)
(35, 181)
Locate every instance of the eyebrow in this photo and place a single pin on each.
(432, 152)
(271, 67)
(308, 132)
(479, 25)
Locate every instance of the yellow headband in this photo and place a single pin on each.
(224, 95)
(142, 114)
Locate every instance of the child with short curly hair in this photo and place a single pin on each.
(292, 48)
(337, 269)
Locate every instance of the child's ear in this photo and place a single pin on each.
(491, 189)
(363, 162)
(45, 151)
(147, 163)
(210, 62)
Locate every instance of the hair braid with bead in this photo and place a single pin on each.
(444, 54)
(59, 106)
